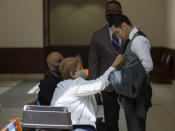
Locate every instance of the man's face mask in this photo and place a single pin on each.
(57, 70)
(80, 73)
(109, 16)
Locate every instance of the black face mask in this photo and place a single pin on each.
(109, 16)
(57, 70)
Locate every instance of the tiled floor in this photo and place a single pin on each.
(13, 96)
(161, 117)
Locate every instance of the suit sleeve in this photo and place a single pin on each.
(93, 59)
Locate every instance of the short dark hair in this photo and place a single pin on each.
(115, 2)
(117, 20)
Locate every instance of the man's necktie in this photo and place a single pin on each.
(115, 42)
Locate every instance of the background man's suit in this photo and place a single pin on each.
(101, 55)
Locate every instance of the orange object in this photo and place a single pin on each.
(86, 71)
(14, 125)
(32, 103)
(17, 123)
(79, 61)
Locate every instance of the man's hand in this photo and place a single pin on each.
(119, 60)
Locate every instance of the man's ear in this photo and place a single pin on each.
(72, 74)
(124, 25)
(51, 68)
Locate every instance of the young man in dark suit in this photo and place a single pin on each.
(103, 50)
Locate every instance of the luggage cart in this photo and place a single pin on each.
(47, 118)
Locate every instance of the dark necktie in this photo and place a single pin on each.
(115, 42)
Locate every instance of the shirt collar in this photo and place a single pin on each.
(132, 33)
(111, 33)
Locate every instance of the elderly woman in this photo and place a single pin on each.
(76, 93)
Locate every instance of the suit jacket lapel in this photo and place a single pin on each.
(108, 40)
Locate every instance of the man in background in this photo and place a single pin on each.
(51, 79)
(104, 48)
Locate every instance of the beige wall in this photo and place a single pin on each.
(149, 16)
(73, 22)
(170, 24)
(21, 23)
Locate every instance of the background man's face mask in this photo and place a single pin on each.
(109, 16)
(81, 73)
(57, 70)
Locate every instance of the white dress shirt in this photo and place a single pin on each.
(77, 96)
(141, 47)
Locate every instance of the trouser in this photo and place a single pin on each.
(134, 123)
(111, 110)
